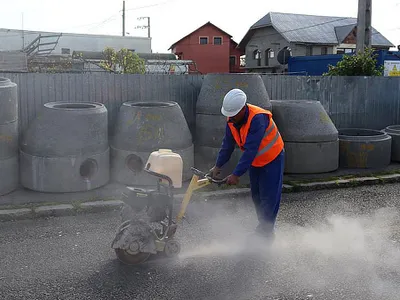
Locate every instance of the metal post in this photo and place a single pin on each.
(364, 18)
(148, 27)
(23, 32)
(123, 18)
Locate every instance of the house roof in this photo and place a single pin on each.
(343, 31)
(297, 28)
(206, 24)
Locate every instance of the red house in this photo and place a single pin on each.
(211, 48)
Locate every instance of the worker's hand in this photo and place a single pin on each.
(215, 172)
(232, 180)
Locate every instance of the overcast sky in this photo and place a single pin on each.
(173, 19)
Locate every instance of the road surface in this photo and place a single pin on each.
(337, 244)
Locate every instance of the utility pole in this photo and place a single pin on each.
(144, 27)
(364, 31)
(123, 18)
(23, 32)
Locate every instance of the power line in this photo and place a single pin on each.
(149, 6)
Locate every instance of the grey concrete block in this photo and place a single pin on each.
(65, 174)
(66, 129)
(122, 171)
(9, 175)
(144, 127)
(311, 158)
(8, 140)
(100, 206)
(8, 101)
(15, 214)
(215, 87)
(303, 121)
(65, 149)
(54, 210)
(310, 137)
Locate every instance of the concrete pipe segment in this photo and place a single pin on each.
(65, 149)
(364, 148)
(8, 136)
(144, 127)
(210, 123)
(394, 132)
(311, 138)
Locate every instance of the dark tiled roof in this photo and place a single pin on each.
(312, 29)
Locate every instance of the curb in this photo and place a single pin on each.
(48, 211)
(60, 210)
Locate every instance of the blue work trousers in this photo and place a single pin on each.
(266, 189)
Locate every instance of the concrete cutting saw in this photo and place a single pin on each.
(148, 224)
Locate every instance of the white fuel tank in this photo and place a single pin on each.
(168, 163)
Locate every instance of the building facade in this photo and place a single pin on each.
(301, 35)
(66, 43)
(211, 49)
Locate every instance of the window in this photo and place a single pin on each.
(243, 61)
(324, 50)
(203, 40)
(345, 51)
(217, 40)
(65, 51)
(257, 56)
(308, 50)
(269, 53)
(232, 61)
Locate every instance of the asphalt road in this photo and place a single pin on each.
(341, 244)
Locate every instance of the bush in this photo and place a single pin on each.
(360, 64)
(123, 61)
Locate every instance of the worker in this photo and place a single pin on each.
(254, 131)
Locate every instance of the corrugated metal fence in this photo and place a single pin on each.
(350, 101)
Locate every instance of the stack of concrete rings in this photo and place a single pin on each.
(65, 149)
(144, 127)
(394, 132)
(364, 148)
(9, 169)
(211, 124)
(311, 138)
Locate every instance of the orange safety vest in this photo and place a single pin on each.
(271, 145)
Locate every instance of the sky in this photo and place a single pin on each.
(173, 19)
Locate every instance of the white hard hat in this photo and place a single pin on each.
(233, 102)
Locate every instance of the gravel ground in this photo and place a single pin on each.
(337, 244)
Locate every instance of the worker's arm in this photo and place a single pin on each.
(228, 145)
(256, 133)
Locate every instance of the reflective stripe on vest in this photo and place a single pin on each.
(270, 144)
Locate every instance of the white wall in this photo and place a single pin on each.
(11, 40)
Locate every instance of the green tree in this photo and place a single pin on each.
(123, 61)
(360, 64)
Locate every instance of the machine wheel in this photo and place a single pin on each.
(172, 248)
(131, 259)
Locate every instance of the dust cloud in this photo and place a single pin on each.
(358, 254)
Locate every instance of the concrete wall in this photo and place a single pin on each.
(11, 40)
(263, 39)
(368, 102)
(13, 62)
(269, 38)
